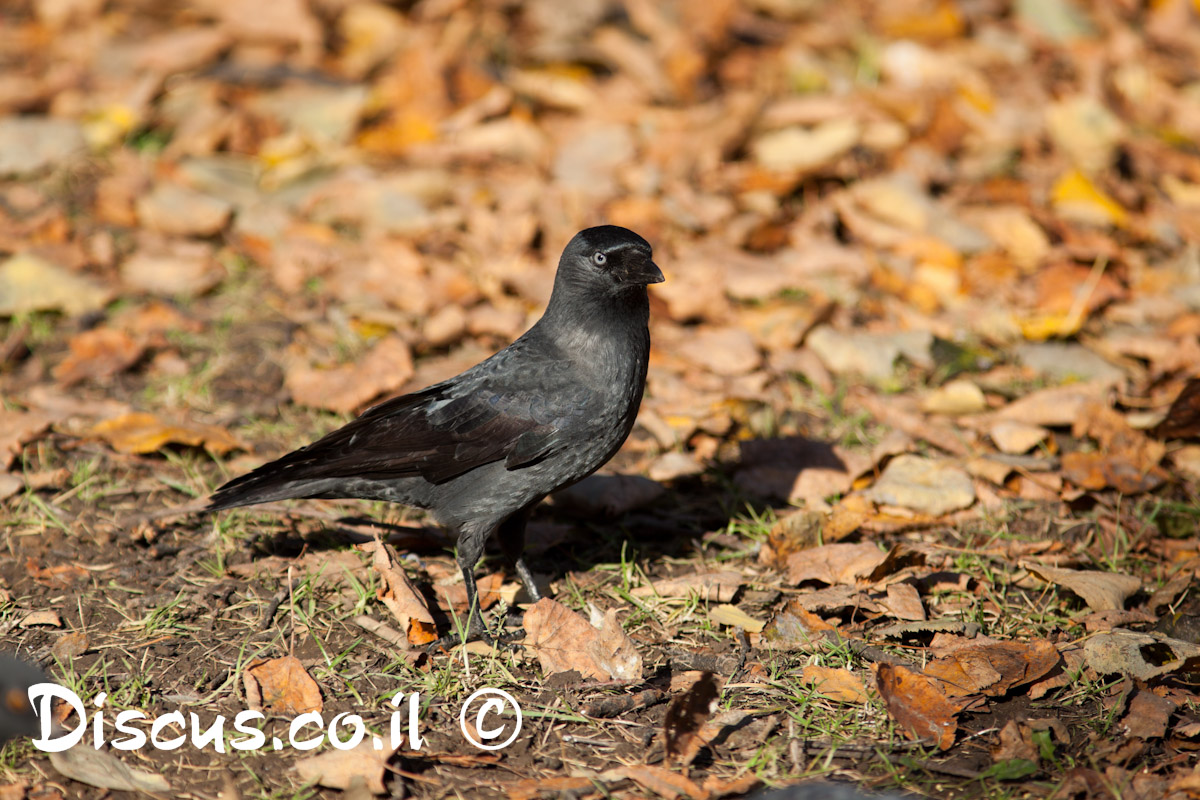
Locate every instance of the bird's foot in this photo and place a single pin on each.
(504, 640)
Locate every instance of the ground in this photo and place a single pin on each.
(912, 498)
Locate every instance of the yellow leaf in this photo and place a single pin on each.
(1059, 324)
(1076, 198)
(109, 125)
(144, 433)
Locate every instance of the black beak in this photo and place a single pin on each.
(644, 273)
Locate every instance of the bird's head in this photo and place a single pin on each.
(610, 258)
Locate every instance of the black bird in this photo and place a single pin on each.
(16, 715)
(480, 450)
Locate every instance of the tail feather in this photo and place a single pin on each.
(264, 485)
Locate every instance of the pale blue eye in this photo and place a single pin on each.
(599, 259)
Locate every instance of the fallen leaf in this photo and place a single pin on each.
(386, 367)
(661, 781)
(723, 351)
(924, 485)
(451, 594)
(1100, 590)
(799, 149)
(19, 428)
(1077, 198)
(1144, 656)
(1015, 437)
(834, 563)
(1053, 407)
(684, 717)
(836, 683)
(139, 432)
(1183, 418)
(338, 769)
(904, 602)
(29, 283)
(176, 268)
(956, 397)
(711, 586)
(41, 617)
(102, 769)
(281, 686)
(564, 641)
(795, 626)
(735, 617)
(400, 595)
(97, 355)
(178, 210)
(1148, 715)
(993, 669)
(918, 706)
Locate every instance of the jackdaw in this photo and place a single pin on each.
(480, 450)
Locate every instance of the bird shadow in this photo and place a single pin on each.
(691, 515)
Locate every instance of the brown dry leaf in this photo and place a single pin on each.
(685, 715)
(139, 432)
(904, 602)
(917, 704)
(1183, 418)
(1100, 590)
(400, 595)
(96, 355)
(1015, 742)
(1053, 407)
(834, 563)
(10, 485)
(173, 209)
(795, 626)
(281, 686)
(1148, 715)
(1014, 437)
(662, 782)
(30, 283)
(19, 428)
(41, 617)
(343, 389)
(172, 268)
(1127, 460)
(337, 769)
(718, 587)
(102, 769)
(452, 594)
(993, 669)
(927, 486)
(564, 641)
(836, 683)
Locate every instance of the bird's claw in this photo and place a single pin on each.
(505, 640)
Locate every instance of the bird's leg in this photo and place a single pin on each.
(470, 548)
(512, 542)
